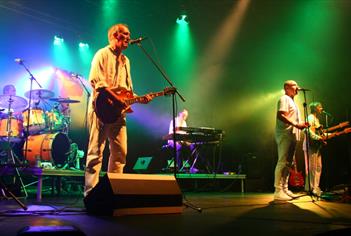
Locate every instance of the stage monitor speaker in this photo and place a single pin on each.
(134, 194)
(142, 164)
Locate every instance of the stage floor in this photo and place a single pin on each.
(222, 214)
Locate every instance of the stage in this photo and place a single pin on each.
(56, 179)
(227, 213)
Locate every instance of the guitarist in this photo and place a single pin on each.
(313, 159)
(110, 68)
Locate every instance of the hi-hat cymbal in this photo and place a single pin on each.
(64, 100)
(40, 94)
(15, 102)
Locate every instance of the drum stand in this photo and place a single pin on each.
(12, 158)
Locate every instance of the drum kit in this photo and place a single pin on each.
(42, 132)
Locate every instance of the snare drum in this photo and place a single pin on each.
(36, 120)
(11, 129)
(49, 147)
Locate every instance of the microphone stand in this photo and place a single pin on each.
(32, 78)
(87, 102)
(173, 116)
(307, 132)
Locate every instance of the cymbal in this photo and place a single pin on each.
(64, 100)
(40, 94)
(16, 102)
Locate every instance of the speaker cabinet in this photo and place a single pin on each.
(134, 194)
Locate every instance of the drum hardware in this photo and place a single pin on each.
(12, 158)
(37, 94)
(64, 100)
(17, 103)
(55, 121)
(63, 114)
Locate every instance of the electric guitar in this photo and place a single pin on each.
(296, 177)
(110, 104)
(325, 133)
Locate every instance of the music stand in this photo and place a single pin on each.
(175, 91)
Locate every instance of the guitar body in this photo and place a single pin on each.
(296, 179)
(110, 104)
(109, 107)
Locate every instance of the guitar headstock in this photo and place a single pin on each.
(344, 124)
(347, 130)
(169, 90)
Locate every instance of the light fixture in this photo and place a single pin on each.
(182, 20)
(83, 45)
(58, 40)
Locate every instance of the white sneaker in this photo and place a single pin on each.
(280, 195)
(317, 192)
(290, 194)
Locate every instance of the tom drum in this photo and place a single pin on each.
(11, 129)
(36, 120)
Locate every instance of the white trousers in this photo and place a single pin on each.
(313, 165)
(117, 137)
(286, 150)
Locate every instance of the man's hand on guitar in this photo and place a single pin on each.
(323, 139)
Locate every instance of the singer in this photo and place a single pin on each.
(110, 68)
(287, 133)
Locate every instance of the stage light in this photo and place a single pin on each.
(83, 45)
(182, 20)
(58, 40)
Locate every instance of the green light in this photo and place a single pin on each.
(183, 53)
(58, 40)
(83, 45)
(61, 53)
(182, 20)
(109, 11)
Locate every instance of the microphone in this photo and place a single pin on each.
(138, 40)
(19, 61)
(327, 113)
(303, 89)
(75, 75)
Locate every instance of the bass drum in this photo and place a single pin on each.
(48, 147)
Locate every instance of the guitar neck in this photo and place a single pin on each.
(335, 134)
(139, 99)
(339, 126)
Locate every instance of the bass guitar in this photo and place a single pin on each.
(109, 105)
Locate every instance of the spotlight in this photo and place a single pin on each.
(58, 40)
(182, 20)
(83, 45)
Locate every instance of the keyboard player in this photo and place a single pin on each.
(182, 146)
